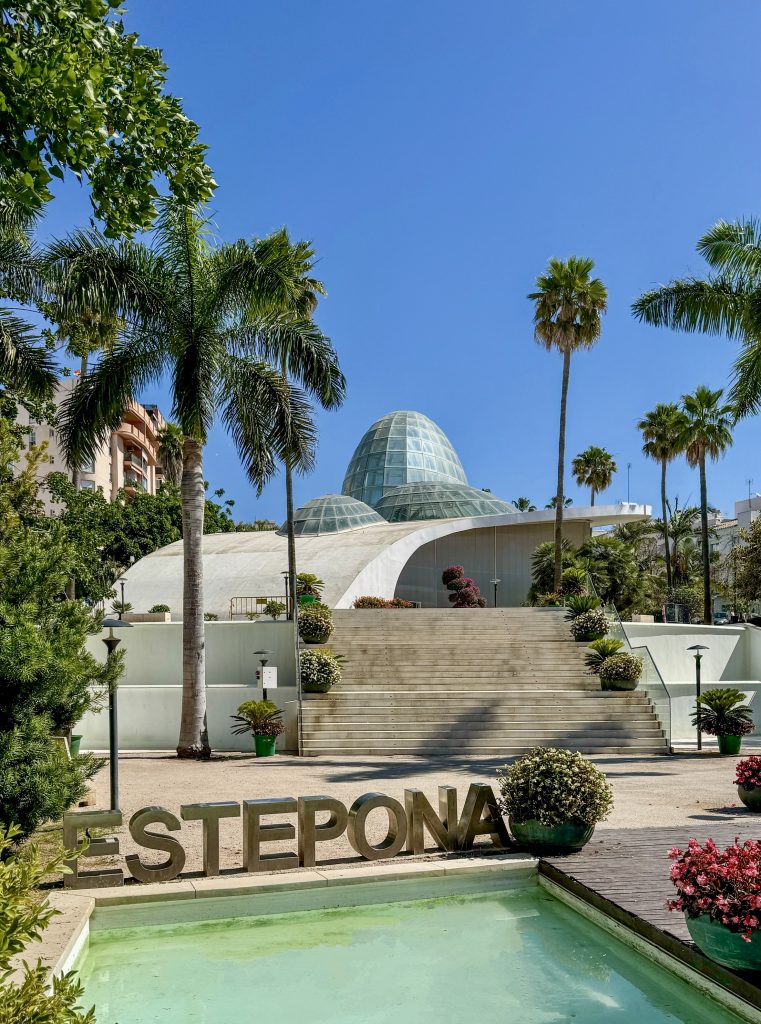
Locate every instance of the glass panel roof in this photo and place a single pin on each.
(384, 459)
(330, 514)
(414, 501)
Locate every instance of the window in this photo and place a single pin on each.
(87, 485)
(87, 466)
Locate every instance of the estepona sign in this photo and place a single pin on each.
(407, 827)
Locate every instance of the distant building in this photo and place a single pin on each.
(127, 461)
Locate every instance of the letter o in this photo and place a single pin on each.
(397, 826)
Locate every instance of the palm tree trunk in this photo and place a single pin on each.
(291, 537)
(194, 740)
(664, 513)
(561, 466)
(707, 602)
(593, 496)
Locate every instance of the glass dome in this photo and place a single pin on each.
(330, 514)
(401, 448)
(438, 501)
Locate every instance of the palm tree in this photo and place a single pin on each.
(170, 449)
(567, 317)
(553, 502)
(524, 505)
(680, 525)
(209, 316)
(662, 429)
(594, 468)
(727, 301)
(707, 432)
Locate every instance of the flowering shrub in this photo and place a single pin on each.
(590, 625)
(452, 572)
(722, 884)
(381, 602)
(554, 787)
(748, 772)
(319, 670)
(259, 717)
(464, 592)
(621, 667)
(723, 712)
(599, 650)
(315, 623)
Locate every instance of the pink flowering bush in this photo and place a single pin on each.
(749, 772)
(464, 592)
(722, 884)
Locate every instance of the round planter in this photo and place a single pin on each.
(729, 745)
(316, 639)
(619, 684)
(310, 687)
(725, 947)
(750, 797)
(265, 745)
(74, 745)
(550, 838)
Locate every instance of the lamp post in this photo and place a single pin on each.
(264, 657)
(495, 583)
(697, 648)
(288, 609)
(112, 642)
(122, 581)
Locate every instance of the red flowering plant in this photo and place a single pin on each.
(748, 772)
(724, 885)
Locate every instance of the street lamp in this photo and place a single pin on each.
(697, 648)
(112, 642)
(495, 583)
(264, 657)
(286, 581)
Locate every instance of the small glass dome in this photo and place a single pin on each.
(400, 448)
(438, 501)
(330, 514)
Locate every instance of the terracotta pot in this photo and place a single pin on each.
(725, 947)
(534, 836)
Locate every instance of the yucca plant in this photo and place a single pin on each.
(577, 604)
(599, 650)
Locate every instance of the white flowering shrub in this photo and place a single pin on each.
(554, 787)
(621, 668)
(319, 670)
(590, 625)
(315, 623)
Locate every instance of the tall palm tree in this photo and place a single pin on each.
(662, 430)
(568, 305)
(170, 449)
(707, 433)
(594, 468)
(726, 301)
(211, 318)
(524, 505)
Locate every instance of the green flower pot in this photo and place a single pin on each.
(729, 745)
(750, 797)
(565, 838)
(319, 639)
(310, 687)
(265, 745)
(725, 947)
(74, 745)
(619, 684)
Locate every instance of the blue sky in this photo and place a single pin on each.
(438, 153)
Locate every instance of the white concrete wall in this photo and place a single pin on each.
(733, 659)
(150, 691)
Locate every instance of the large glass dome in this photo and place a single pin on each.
(438, 501)
(330, 514)
(400, 448)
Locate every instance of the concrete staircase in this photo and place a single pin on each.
(432, 682)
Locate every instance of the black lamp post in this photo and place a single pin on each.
(697, 648)
(112, 642)
(495, 583)
(288, 608)
(264, 657)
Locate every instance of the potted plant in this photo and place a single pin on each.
(308, 587)
(589, 625)
(722, 713)
(263, 720)
(275, 609)
(315, 624)
(719, 893)
(553, 799)
(748, 780)
(599, 650)
(620, 671)
(319, 670)
(573, 581)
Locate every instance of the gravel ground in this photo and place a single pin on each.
(683, 789)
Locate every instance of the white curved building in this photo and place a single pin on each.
(406, 513)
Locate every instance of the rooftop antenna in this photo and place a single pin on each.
(749, 482)
(628, 474)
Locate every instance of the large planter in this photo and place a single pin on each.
(725, 947)
(309, 687)
(265, 745)
(535, 836)
(619, 684)
(750, 797)
(729, 745)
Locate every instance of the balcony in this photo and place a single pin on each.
(134, 460)
(134, 483)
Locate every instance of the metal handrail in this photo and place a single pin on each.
(651, 681)
(252, 605)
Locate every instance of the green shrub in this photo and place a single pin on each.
(258, 717)
(591, 625)
(319, 670)
(210, 617)
(554, 787)
(723, 712)
(309, 585)
(577, 604)
(24, 915)
(573, 581)
(274, 609)
(121, 607)
(550, 600)
(599, 650)
(160, 608)
(620, 671)
(315, 624)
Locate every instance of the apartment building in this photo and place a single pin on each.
(128, 461)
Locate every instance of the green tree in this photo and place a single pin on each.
(543, 567)
(746, 563)
(524, 505)
(594, 468)
(553, 502)
(707, 433)
(79, 93)
(170, 453)
(662, 429)
(616, 572)
(568, 305)
(211, 317)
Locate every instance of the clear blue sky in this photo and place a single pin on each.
(438, 153)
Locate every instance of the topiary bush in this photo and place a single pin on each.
(315, 624)
(591, 625)
(554, 787)
(620, 671)
(319, 670)
(464, 592)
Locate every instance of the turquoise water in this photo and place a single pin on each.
(518, 956)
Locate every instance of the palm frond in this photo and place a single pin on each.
(734, 249)
(25, 364)
(717, 305)
(745, 393)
